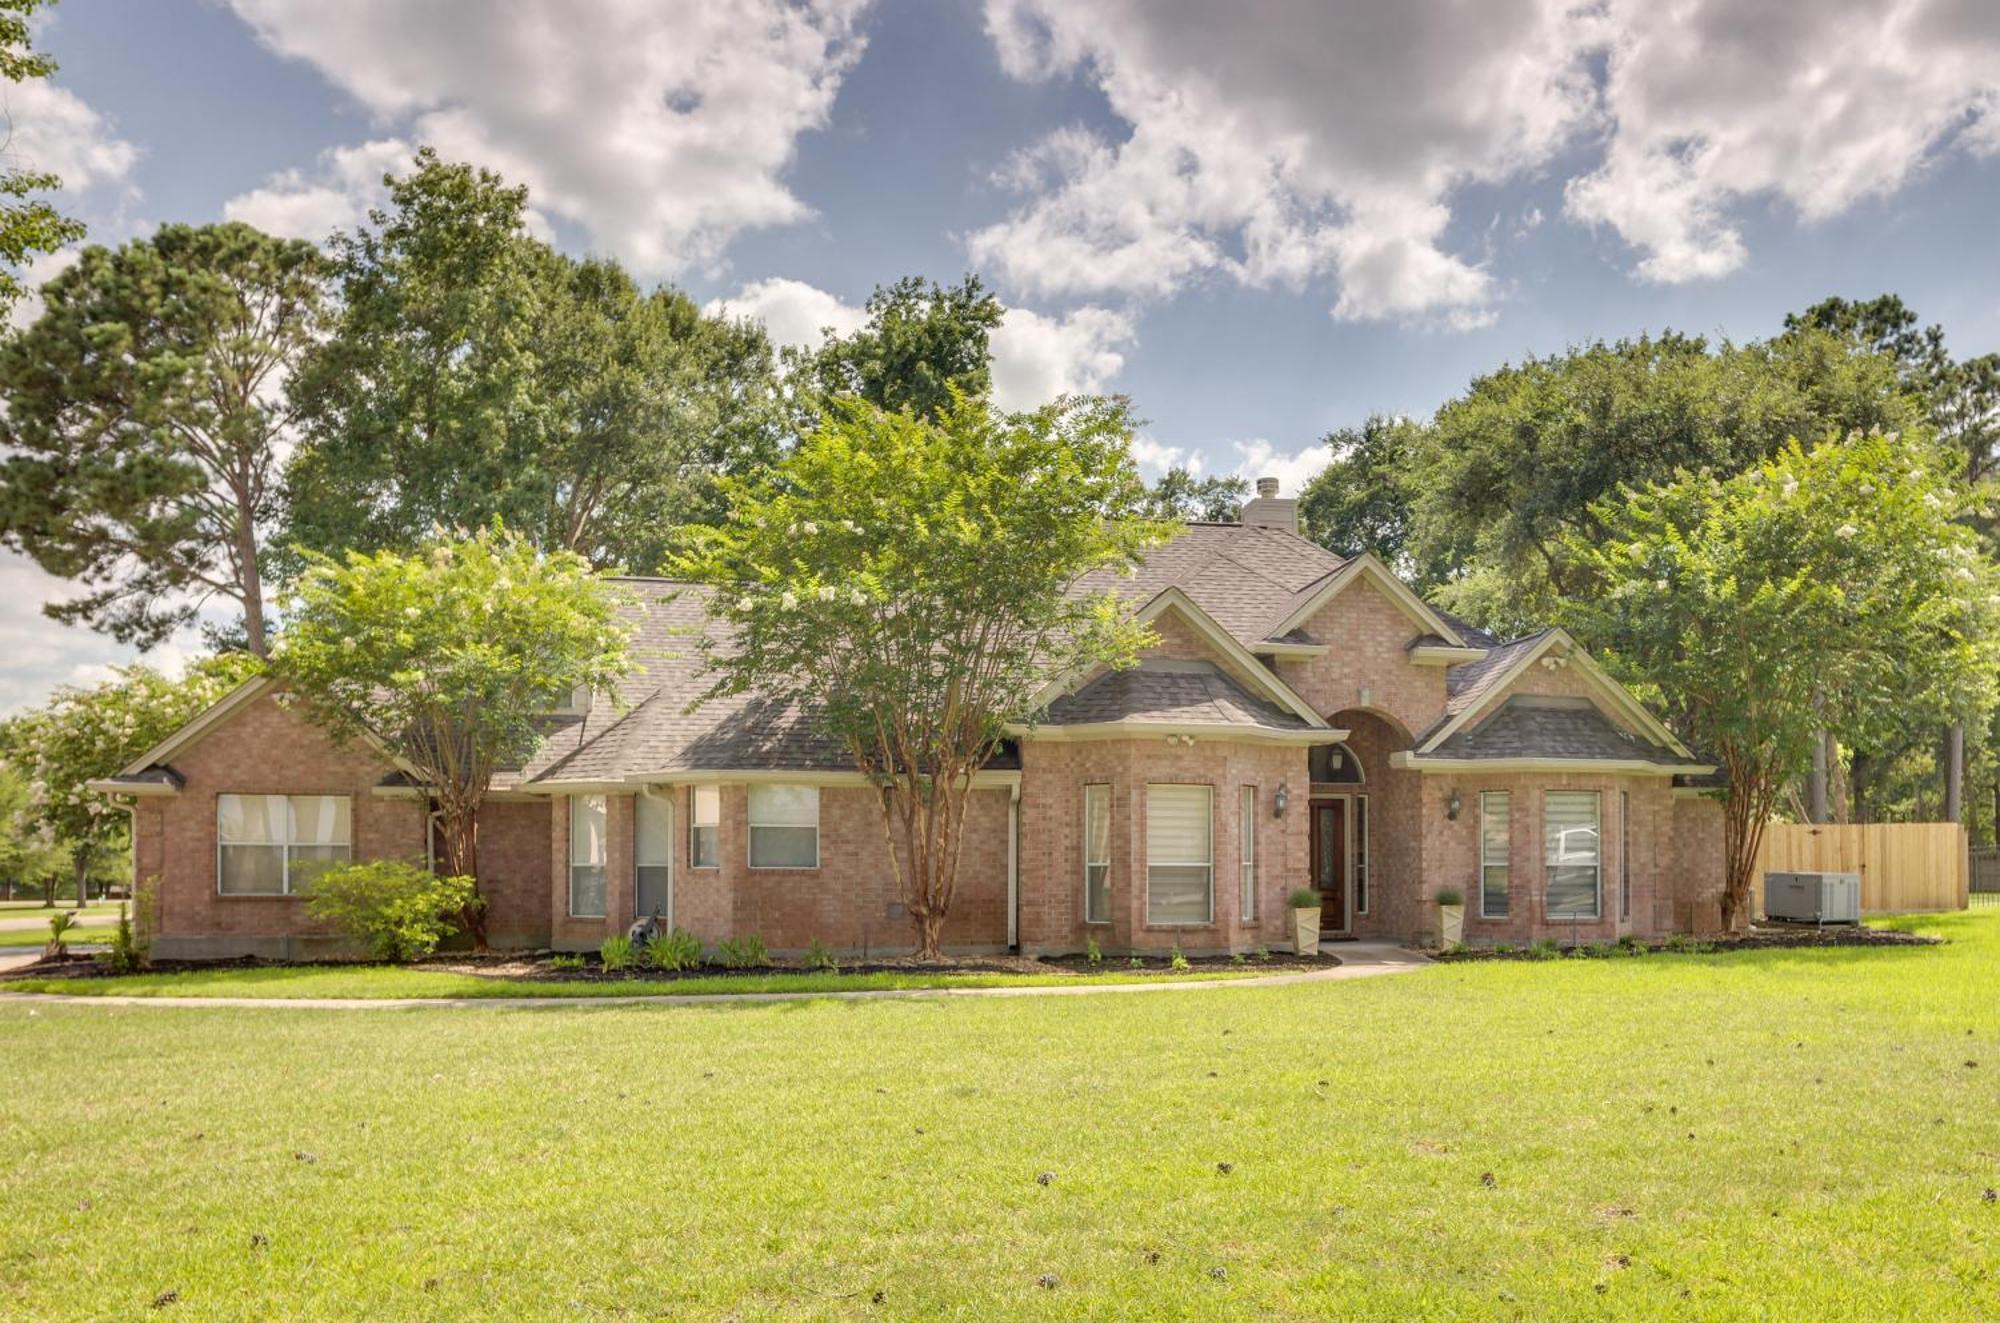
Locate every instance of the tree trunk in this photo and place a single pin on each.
(1816, 800)
(80, 860)
(253, 587)
(1861, 771)
(1954, 773)
(461, 859)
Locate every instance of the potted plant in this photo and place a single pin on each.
(1451, 916)
(1305, 920)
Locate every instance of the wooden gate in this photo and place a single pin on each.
(1904, 866)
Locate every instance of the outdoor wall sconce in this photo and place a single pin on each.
(1452, 805)
(1280, 800)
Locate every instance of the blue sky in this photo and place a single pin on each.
(1262, 221)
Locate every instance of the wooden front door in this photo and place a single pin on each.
(1329, 862)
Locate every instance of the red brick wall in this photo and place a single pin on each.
(1368, 637)
(849, 902)
(262, 749)
(1395, 853)
(1054, 775)
(514, 871)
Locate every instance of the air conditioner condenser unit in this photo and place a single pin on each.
(1813, 897)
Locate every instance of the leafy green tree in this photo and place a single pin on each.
(145, 419)
(28, 225)
(1509, 472)
(922, 342)
(474, 373)
(1834, 586)
(85, 733)
(909, 583)
(1216, 499)
(28, 854)
(452, 656)
(1362, 501)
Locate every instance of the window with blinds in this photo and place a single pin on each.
(652, 857)
(275, 845)
(1097, 854)
(705, 827)
(1246, 831)
(1495, 822)
(1570, 838)
(587, 853)
(784, 826)
(1180, 859)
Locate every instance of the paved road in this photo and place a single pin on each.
(1357, 960)
(40, 922)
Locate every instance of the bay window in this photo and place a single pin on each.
(1097, 854)
(1495, 821)
(1180, 859)
(1572, 851)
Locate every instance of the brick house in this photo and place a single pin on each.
(1304, 720)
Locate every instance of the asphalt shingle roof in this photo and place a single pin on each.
(1164, 692)
(1534, 727)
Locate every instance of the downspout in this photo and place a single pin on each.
(1014, 868)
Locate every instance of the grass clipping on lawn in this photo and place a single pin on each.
(1784, 1134)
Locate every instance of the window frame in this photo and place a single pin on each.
(664, 804)
(1359, 876)
(1208, 791)
(1506, 859)
(1100, 791)
(1246, 854)
(696, 825)
(1596, 912)
(603, 866)
(751, 824)
(1625, 855)
(284, 847)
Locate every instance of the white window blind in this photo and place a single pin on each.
(587, 853)
(1570, 839)
(1495, 823)
(784, 826)
(652, 856)
(705, 827)
(1097, 854)
(1180, 862)
(1247, 832)
(274, 845)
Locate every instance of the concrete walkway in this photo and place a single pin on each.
(1357, 960)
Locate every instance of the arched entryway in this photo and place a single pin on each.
(1360, 813)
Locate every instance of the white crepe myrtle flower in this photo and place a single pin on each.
(1845, 531)
(1661, 584)
(1791, 488)
(809, 528)
(411, 613)
(1962, 573)
(858, 597)
(825, 592)
(745, 603)
(789, 601)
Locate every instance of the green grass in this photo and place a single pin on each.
(388, 981)
(88, 931)
(1782, 1134)
(28, 909)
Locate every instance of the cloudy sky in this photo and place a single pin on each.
(1261, 220)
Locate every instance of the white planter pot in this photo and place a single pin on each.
(1451, 925)
(1305, 931)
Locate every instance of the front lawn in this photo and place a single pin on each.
(1781, 1134)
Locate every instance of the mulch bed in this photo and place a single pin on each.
(1765, 937)
(538, 967)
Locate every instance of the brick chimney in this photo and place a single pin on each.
(1267, 510)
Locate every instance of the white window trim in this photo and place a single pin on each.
(574, 863)
(284, 846)
(750, 833)
(668, 803)
(1209, 864)
(1597, 869)
(1246, 850)
(1359, 853)
(1105, 862)
(1485, 863)
(696, 824)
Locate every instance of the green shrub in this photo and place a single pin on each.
(675, 951)
(1503, 948)
(1092, 952)
(398, 910)
(59, 923)
(126, 954)
(1544, 949)
(1305, 898)
(745, 952)
(616, 953)
(820, 956)
(566, 960)
(1263, 952)
(1138, 962)
(1176, 959)
(1632, 946)
(1450, 896)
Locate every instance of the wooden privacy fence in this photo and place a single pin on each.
(1903, 865)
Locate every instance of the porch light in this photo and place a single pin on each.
(1280, 800)
(1452, 805)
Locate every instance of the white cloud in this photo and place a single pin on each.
(1156, 457)
(42, 654)
(49, 129)
(336, 195)
(663, 130)
(1036, 357)
(1311, 139)
(793, 312)
(1819, 105)
(1258, 458)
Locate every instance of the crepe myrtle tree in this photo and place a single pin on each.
(1834, 586)
(84, 733)
(452, 657)
(912, 585)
